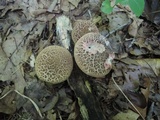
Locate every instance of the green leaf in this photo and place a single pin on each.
(137, 6)
(123, 2)
(106, 7)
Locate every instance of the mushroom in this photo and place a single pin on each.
(82, 27)
(92, 55)
(54, 64)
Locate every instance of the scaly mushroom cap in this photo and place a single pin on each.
(82, 27)
(54, 64)
(92, 55)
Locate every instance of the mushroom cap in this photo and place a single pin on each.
(82, 27)
(54, 64)
(92, 55)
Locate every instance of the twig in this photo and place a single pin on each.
(35, 105)
(127, 98)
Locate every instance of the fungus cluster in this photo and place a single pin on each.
(54, 64)
(82, 27)
(92, 55)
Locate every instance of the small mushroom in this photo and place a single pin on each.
(92, 55)
(54, 64)
(82, 27)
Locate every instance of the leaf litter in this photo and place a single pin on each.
(26, 27)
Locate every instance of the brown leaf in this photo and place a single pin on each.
(117, 20)
(153, 64)
(20, 82)
(74, 2)
(145, 92)
(133, 28)
(8, 103)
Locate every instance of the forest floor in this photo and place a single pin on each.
(130, 91)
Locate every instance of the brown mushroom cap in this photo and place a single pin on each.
(92, 55)
(54, 64)
(82, 27)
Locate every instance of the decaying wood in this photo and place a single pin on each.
(89, 106)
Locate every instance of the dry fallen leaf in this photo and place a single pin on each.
(6, 67)
(117, 20)
(19, 82)
(65, 5)
(149, 67)
(51, 115)
(141, 43)
(153, 64)
(74, 2)
(8, 103)
(128, 115)
(133, 28)
(52, 6)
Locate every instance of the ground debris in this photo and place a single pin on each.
(28, 26)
